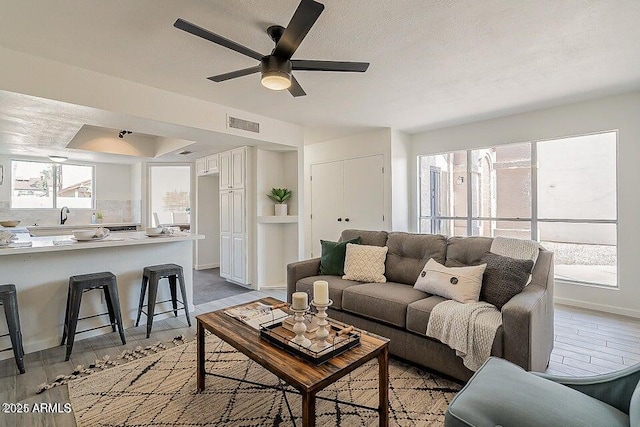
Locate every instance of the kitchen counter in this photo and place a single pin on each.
(68, 243)
(41, 274)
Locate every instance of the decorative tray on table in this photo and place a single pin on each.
(280, 335)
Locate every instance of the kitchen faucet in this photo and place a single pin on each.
(63, 215)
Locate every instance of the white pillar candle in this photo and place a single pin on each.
(300, 301)
(321, 292)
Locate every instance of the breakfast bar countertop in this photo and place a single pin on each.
(27, 245)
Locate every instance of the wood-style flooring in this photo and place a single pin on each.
(586, 343)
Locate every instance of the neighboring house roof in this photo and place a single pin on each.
(81, 189)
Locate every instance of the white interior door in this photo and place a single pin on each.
(364, 193)
(326, 203)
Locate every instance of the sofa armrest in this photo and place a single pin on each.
(299, 270)
(527, 319)
(614, 389)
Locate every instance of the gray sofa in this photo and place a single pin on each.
(399, 312)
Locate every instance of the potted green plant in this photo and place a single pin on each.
(99, 218)
(280, 196)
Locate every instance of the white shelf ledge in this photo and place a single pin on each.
(273, 219)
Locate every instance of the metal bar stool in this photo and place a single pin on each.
(9, 300)
(150, 278)
(81, 284)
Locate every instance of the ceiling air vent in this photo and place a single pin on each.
(236, 123)
(185, 153)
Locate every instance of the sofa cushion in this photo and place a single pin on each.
(418, 314)
(503, 278)
(461, 284)
(365, 263)
(336, 286)
(386, 302)
(333, 255)
(371, 238)
(409, 252)
(463, 251)
(501, 393)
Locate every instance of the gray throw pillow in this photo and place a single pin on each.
(503, 278)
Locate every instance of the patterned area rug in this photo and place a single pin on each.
(159, 390)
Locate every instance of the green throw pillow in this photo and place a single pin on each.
(333, 253)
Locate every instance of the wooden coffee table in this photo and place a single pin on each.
(307, 378)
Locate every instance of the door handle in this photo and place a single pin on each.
(346, 219)
(339, 219)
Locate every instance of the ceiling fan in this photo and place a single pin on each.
(276, 68)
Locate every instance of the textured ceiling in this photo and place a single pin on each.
(31, 126)
(433, 63)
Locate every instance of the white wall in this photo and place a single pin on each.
(113, 196)
(276, 243)
(400, 185)
(361, 145)
(622, 113)
(208, 221)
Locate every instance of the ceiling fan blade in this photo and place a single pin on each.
(342, 66)
(303, 19)
(295, 89)
(234, 74)
(215, 38)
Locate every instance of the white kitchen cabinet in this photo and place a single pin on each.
(233, 165)
(201, 166)
(225, 255)
(233, 236)
(207, 165)
(212, 163)
(224, 166)
(346, 194)
(234, 247)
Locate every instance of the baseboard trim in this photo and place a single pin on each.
(598, 307)
(274, 286)
(206, 266)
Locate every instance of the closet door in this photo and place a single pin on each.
(364, 193)
(327, 221)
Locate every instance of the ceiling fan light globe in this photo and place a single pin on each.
(276, 80)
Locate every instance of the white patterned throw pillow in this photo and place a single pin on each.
(365, 263)
(461, 284)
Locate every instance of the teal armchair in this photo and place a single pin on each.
(501, 393)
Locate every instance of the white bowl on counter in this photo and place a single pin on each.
(9, 223)
(83, 234)
(153, 231)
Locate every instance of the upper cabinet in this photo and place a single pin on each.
(232, 166)
(207, 165)
(201, 166)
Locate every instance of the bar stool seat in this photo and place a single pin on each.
(151, 276)
(81, 284)
(9, 301)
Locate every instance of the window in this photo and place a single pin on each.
(571, 209)
(37, 185)
(170, 190)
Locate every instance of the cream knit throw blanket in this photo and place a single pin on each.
(469, 329)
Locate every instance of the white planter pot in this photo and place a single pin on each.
(281, 209)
